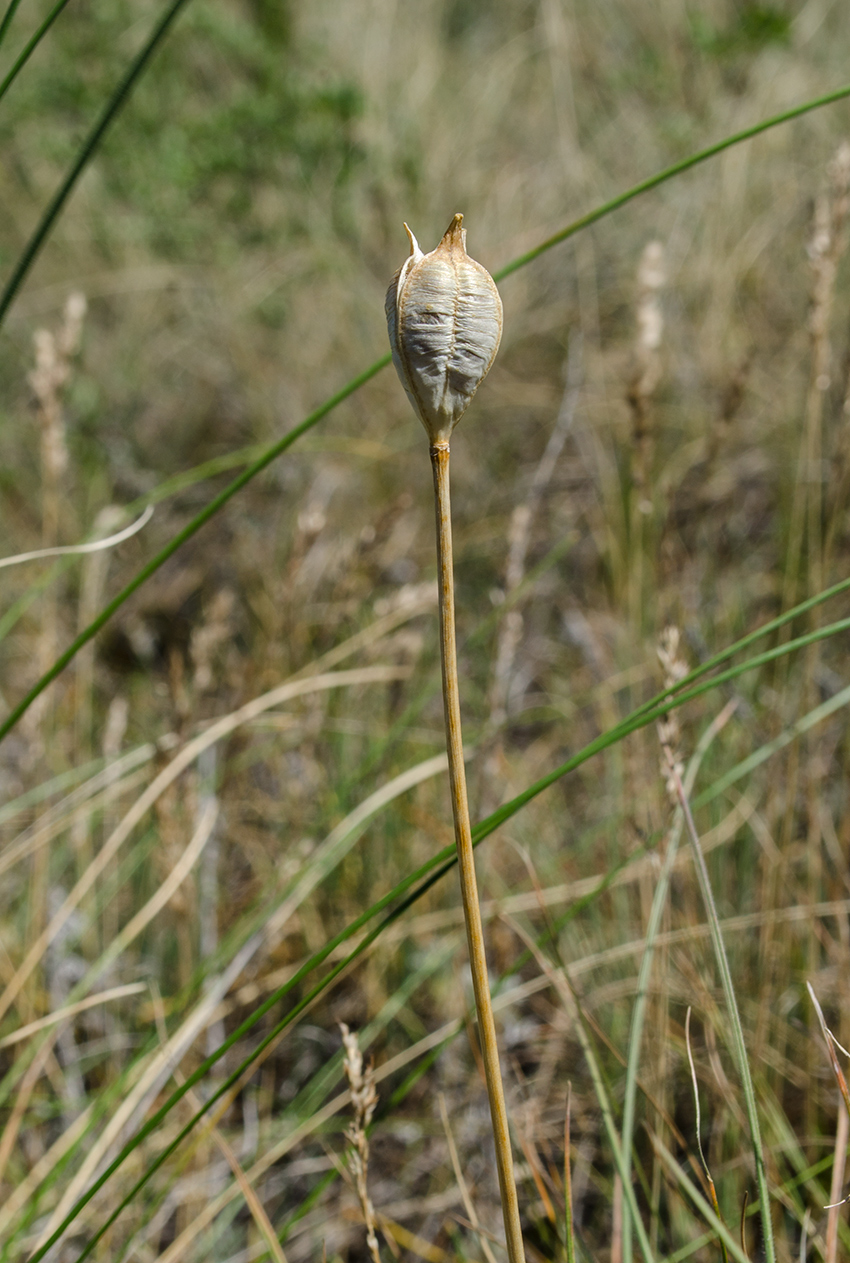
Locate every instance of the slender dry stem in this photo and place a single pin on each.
(569, 1231)
(839, 1163)
(466, 862)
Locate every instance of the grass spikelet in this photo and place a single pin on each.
(364, 1099)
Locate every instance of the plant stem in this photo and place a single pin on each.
(466, 862)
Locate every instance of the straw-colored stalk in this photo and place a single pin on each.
(466, 860)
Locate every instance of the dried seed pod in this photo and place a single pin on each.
(444, 316)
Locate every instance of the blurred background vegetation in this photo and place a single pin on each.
(663, 439)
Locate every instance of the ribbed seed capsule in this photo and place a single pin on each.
(444, 316)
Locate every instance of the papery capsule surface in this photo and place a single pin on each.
(444, 316)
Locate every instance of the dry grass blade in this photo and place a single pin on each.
(71, 1010)
(742, 1227)
(697, 1127)
(468, 1203)
(410, 1241)
(836, 1201)
(31, 1076)
(187, 756)
(831, 1044)
(167, 890)
(78, 550)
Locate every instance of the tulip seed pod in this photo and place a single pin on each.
(444, 316)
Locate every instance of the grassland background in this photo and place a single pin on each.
(233, 239)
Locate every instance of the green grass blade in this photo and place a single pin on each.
(766, 629)
(560, 979)
(654, 710)
(656, 912)
(737, 1041)
(614, 1140)
(7, 18)
(767, 751)
(111, 110)
(668, 173)
(30, 46)
(18, 608)
(276, 449)
(733, 1246)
